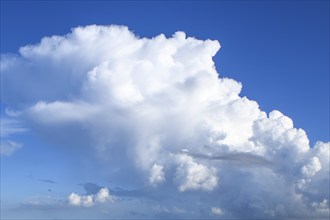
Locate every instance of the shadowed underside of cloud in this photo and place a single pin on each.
(245, 159)
(137, 103)
(47, 181)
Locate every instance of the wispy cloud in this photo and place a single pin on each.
(101, 196)
(7, 148)
(8, 128)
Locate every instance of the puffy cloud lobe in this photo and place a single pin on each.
(312, 167)
(194, 176)
(143, 100)
(101, 196)
(77, 200)
(157, 175)
(216, 211)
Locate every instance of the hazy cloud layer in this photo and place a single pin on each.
(157, 110)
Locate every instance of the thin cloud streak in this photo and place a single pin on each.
(244, 159)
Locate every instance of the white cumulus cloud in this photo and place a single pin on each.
(101, 196)
(137, 102)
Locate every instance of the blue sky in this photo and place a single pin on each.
(277, 50)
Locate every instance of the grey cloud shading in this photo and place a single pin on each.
(47, 181)
(244, 159)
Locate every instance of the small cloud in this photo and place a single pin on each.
(10, 126)
(78, 200)
(47, 181)
(101, 196)
(322, 207)
(74, 199)
(194, 176)
(216, 211)
(7, 148)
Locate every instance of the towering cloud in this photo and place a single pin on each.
(158, 110)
